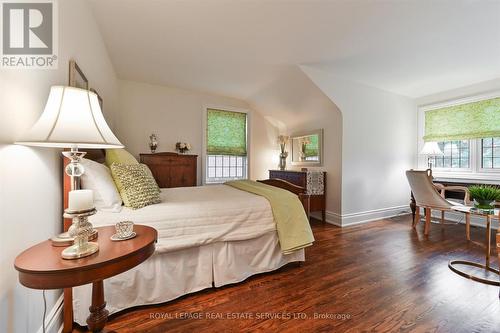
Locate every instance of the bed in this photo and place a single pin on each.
(207, 236)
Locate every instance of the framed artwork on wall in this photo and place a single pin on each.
(76, 77)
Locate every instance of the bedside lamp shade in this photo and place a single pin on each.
(431, 149)
(72, 118)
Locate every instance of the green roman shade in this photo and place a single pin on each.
(226, 133)
(312, 147)
(474, 120)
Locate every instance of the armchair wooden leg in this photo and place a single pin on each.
(416, 218)
(427, 221)
(442, 217)
(467, 226)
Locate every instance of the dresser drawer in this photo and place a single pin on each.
(297, 178)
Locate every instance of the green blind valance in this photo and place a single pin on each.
(226, 133)
(466, 121)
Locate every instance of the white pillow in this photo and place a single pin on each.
(97, 178)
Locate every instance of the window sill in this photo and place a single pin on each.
(490, 177)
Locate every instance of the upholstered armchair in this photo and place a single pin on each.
(432, 196)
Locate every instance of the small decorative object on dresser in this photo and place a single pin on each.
(313, 181)
(182, 147)
(283, 141)
(172, 169)
(153, 143)
(307, 148)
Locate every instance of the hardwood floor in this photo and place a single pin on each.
(377, 277)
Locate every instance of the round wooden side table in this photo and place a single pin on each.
(41, 266)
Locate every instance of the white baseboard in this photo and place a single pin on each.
(344, 220)
(54, 320)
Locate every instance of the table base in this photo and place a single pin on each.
(452, 264)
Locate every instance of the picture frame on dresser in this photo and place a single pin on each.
(307, 148)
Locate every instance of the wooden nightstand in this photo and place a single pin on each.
(41, 267)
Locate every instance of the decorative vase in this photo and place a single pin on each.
(153, 148)
(283, 156)
(484, 204)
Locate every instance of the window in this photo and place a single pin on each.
(490, 153)
(468, 133)
(226, 146)
(456, 155)
(221, 168)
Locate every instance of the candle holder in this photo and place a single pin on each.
(80, 231)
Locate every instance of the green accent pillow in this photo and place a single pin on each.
(136, 185)
(120, 156)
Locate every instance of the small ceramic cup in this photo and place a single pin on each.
(124, 229)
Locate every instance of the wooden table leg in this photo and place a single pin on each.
(98, 313)
(488, 240)
(68, 310)
(498, 244)
(467, 226)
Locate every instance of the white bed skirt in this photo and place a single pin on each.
(166, 276)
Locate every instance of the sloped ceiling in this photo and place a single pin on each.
(236, 47)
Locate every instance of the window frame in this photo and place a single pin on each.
(204, 160)
(475, 171)
(469, 169)
(480, 161)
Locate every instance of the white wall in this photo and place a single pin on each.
(466, 91)
(378, 145)
(295, 104)
(177, 115)
(30, 178)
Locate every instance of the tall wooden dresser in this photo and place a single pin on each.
(172, 169)
(313, 181)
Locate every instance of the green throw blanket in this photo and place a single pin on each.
(294, 231)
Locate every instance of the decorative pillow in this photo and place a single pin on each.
(97, 178)
(136, 185)
(120, 156)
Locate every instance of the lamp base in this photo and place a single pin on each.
(75, 252)
(65, 239)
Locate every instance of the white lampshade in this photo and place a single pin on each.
(431, 149)
(72, 118)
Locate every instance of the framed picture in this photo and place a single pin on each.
(76, 77)
(98, 97)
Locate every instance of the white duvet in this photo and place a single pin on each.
(193, 216)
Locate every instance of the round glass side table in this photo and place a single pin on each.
(454, 265)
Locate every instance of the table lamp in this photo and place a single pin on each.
(431, 149)
(73, 119)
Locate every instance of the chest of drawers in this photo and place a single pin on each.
(172, 169)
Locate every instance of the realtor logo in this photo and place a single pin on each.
(29, 34)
